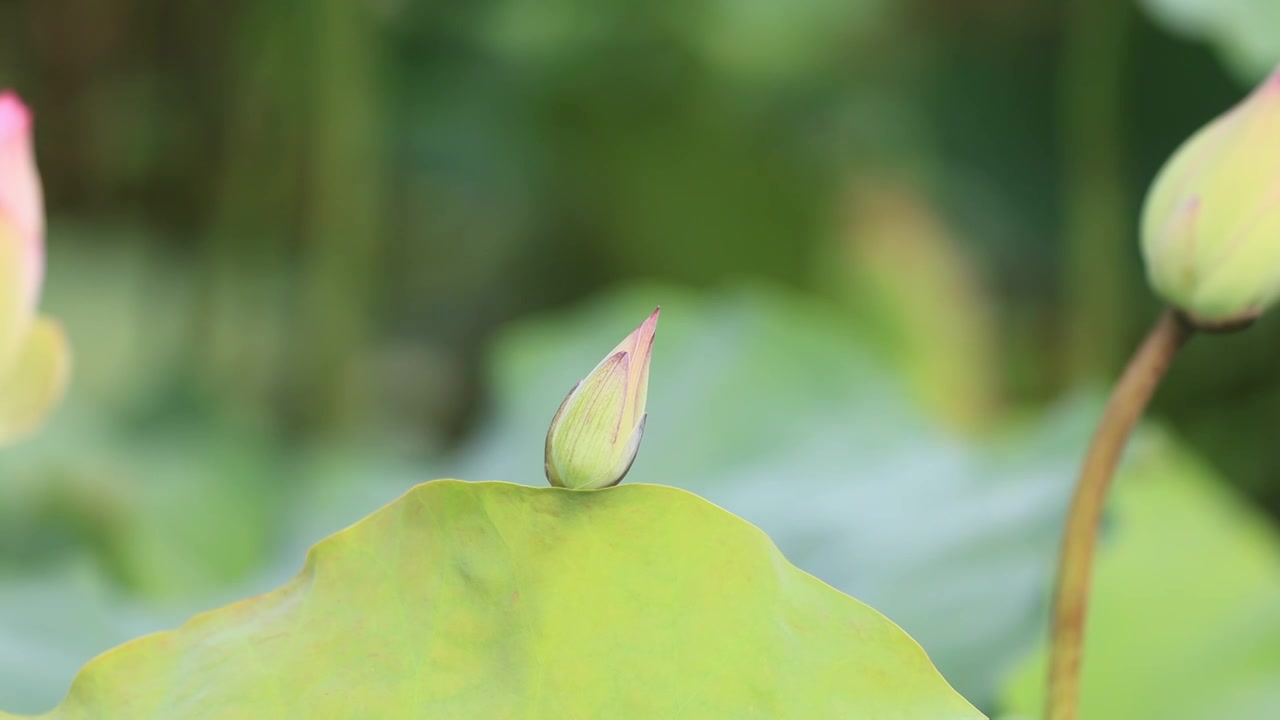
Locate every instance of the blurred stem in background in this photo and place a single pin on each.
(302, 161)
(939, 329)
(343, 198)
(255, 193)
(1098, 252)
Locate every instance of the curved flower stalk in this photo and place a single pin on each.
(595, 435)
(34, 358)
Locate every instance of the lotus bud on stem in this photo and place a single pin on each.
(1211, 242)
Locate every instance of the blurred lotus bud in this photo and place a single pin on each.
(21, 199)
(33, 353)
(1211, 223)
(596, 432)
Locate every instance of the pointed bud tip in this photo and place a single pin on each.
(15, 117)
(650, 322)
(649, 327)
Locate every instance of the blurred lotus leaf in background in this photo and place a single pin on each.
(1243, 31)
(53, 622)
(131, 534)
(1184, 623)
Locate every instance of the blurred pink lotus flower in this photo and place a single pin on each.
(34, 359)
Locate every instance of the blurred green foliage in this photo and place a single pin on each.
(892, 240)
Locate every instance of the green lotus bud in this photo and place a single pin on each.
(596, 432)
(1211, 223)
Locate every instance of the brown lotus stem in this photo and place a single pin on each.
(1075, 567)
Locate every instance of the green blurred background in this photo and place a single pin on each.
(310, 253)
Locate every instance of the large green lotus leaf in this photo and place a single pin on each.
(769, 406)
(1243, 30)
(494, 600)
(1184, 621)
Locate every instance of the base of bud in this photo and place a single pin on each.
(1218, 326)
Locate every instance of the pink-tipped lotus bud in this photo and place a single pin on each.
(596, 433)
(1211, 223)
(21, 199)
(34, 360)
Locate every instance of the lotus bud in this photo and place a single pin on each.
(1211, 222)
(33, 353)
(596, 432)
(21, 199)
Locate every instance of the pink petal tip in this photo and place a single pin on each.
(15, 117)
(644, 334)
